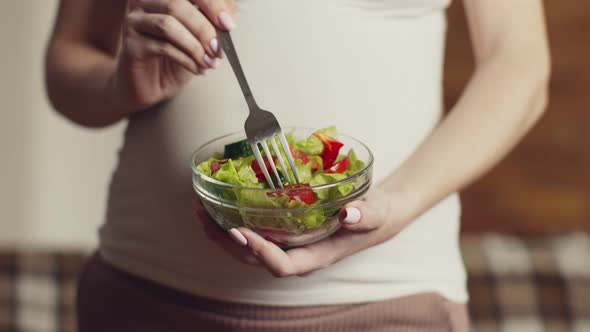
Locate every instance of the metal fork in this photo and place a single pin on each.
(260, 125)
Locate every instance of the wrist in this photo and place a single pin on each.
(405, 194)
(403, 207)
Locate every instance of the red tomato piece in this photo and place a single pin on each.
(331, 149)
(258, 170)
(340, 167)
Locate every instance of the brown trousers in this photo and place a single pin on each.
(112, 300)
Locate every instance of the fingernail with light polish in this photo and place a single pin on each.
(214, 44)
(353, 215)
(227, 21)
(238, 237)
(212, 63)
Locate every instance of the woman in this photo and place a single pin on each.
(373, 69)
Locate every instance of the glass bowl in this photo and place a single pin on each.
(285, 227)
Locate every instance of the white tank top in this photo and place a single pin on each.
(373, 69)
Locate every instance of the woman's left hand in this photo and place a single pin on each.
(365, 223)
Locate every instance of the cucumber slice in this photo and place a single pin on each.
(237, 150)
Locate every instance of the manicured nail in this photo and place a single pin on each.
(353, 215)
(212, 63)
(238, 237)
(214, 44)
(227, 21)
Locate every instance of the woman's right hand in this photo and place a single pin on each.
(165, 43)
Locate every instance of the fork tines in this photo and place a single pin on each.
(285, 145)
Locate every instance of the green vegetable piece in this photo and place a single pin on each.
(330, 131)
(330, 193)
(310, 145)
(237, 150)
(229, 174)
(356, 165)
(205, 166)
(303, 171)
(290, 138)
(246, 173)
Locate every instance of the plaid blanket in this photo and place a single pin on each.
(37, 290)
(515, 285)
(519, 285)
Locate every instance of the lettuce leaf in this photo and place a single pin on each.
(329, 131)
(229, 174)
(257, 199)
(205, 166)
(310, 145)
(290, 138)
(334, 192)
(355, 164)
(232, 171)
(291, 222)
(246, 173)
(311, 218)
(304, 171)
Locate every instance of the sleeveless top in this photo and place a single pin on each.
(372, 68)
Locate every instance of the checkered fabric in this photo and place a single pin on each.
(532, 285)
(37, 290)
(515, 285)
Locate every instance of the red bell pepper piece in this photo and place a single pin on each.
(258, 170)
(301, 193)
(340, 167)
(331, 149)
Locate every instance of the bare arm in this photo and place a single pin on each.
(506, 95)
(81, 58)
(110, 58)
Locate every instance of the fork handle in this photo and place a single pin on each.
(230, 51)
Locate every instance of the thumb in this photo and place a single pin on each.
(356, 216)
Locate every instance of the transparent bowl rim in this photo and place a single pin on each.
(286, 129)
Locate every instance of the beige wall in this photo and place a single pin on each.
(53, 175)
